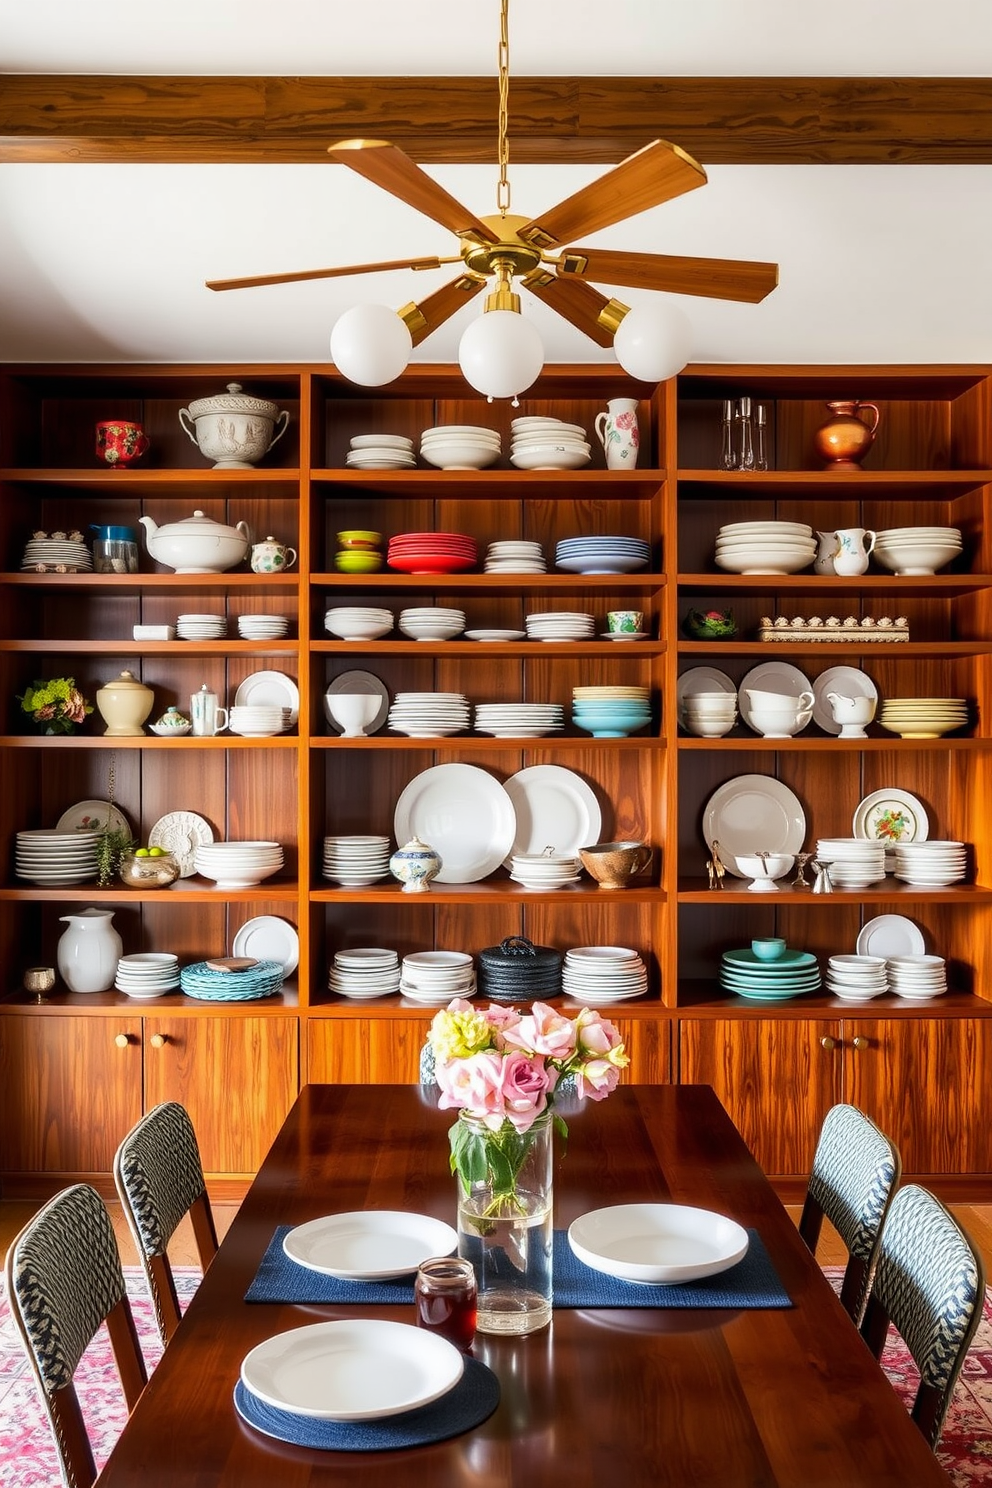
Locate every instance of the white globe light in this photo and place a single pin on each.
(653, 341)
(500, 354)
(370, 345)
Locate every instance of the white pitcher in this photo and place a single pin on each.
(853, 547)
(618, 433)
(89, 951)
(823, 563)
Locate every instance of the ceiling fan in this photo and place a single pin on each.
(505, 248)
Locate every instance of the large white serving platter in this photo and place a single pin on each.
(269, 689)
(753, 813)
(352, 1369)
(369, 1244)
(269, 938)
(554, 807)
(890, 935)
(464, 813)
(658, 1244)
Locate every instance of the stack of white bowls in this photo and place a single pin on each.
(358, 622)
(355, 861)
(517, 556)
(544, 870)
(916, 550)
(709, 715)
(435, 977)
(460, 446)
(364, 972)
(429, 715)
(148, 974)
(519, 720)
(263, 627)
(380, 452)
(201, 627)
(602, 555)
(49, 858)
(917, 978)
(431, 623)
(259, 720)
(560, 625)
(857, 978)
(930, 865)
(923, 718)
(548, 444)
(768, 547)
(854, 861)
(238, 865)
(603, 974)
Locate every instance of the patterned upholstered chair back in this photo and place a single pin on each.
(855, 1172)
(930, 1283)
(64, 1279)
(159, 1178)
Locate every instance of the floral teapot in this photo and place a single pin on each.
(197, 545)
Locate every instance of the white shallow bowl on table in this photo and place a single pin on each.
(657, 1244)
(369, 1244)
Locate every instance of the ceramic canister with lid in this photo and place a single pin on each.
(234, 429)
(124, 704)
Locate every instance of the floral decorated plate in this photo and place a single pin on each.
(93, 816)
(891, 815)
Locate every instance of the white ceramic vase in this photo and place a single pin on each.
(88, 952)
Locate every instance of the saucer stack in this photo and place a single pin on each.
(765, 547)
(356, 861)
(148, 975)
(431, 623)
(364, 972)
(544, 870)
(548, 444)
(380, 452)
(259, 721)
(429, 715)
(602, 555)
(432, 552)
(57, 554)
(854, 861)
(435, 977)
(930, 865)
(515, 557)
(238, 865)
(560, 625)
(47, 857)
(857, 978)
(460, 446)
(923, 718)
(263, 627)
(602, 974)
(519, 720)
(201, 627)
(917, 978)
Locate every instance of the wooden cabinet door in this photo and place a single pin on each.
(365, 1051)
(775, 1077)
(237, 1078)
(925, 1081)
(68, 1092)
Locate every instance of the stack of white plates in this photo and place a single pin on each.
(931, 865)
(148, 974)
(53, 553)
(560, 625)
(365, 971)
(544, 870)
(435, 977)
(431, 623)
(358, 622)
(515, 557)
(917, 978)
(238, 865)
(259, 721)
(541, 443)
(602, 555)
(48, 857)
(428, 715)
(854, 862)
(381, 452)
(765, 547)
(518, 720)
(263, 627)
(916, 550)
(356, 861)
(460, 446)
(857, 978)
(601, 974)
(923, 718)
(201, 627)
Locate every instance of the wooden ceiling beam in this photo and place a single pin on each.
(721, 121)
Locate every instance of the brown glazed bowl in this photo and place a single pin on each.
(614, 864)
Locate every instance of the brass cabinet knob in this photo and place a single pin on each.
(122, 1040)
(860, 1043)
(158, 1041)
(827, 1042)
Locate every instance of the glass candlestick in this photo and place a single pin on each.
(728, 460)
(761, 438)
(745, 459)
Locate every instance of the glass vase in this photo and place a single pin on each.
(505, 1222)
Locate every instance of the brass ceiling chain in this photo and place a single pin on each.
(503, 188)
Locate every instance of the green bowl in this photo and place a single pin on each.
(357, 539)
(355, 560)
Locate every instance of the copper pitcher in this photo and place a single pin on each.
(845, 439)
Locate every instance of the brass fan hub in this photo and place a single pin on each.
(485, 258)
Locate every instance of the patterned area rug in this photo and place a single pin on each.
(27, 1457)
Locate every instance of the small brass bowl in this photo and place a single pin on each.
(149, 873)
(39, 979)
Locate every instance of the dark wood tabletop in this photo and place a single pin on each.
(782, 1398)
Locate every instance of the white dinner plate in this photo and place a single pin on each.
(369, 1244)
(464, 813)
(890, 935)
(772, 676)
(658, 1244)
(92, 816)
(849, 682)
(269, 938)
(554, 808)
(890, 816)
(181, 833)
(365, 685)
(269, 689)
(352, 1369)
(753, 813)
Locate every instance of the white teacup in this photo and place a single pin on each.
(352, 711)
(776, 716)
(852, 713)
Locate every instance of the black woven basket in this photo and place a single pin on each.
(516, 970)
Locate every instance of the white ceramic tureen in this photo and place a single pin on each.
(234, 429)
(198, 545)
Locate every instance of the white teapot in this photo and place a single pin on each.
(197, 545)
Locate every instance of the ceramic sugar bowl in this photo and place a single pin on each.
(414, 865)
(124, 704)
(234, 429)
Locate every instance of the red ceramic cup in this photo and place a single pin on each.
(119, 442)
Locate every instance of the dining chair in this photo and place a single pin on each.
(64, 1278)
(856, 1168)
(929, 1282)
(159, 1178)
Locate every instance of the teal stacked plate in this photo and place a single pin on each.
(791, 975)
(205, 984)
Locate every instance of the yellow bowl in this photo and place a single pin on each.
(358, 539)
(355, 560)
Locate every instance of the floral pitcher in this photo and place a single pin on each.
(618, 433)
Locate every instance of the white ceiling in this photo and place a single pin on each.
(885, 263)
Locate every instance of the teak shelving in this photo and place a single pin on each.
(76, 1071)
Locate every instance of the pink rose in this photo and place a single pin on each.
(544, 1031)
(595, 1035)
(596, 1079)
(527, 1083)
(499, 1020)
(474, 1085)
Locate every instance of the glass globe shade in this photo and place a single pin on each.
(500, 354)
(653, 341)
(370, 345)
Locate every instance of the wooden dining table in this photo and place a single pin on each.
(782, 1397)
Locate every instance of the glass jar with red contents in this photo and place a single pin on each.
(445, 1298)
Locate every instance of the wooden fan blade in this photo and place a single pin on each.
(645, 179)
(579, 303)
(717, 278)
(369, 268)
(387, 166)
(426, 315)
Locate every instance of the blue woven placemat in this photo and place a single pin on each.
(475, 1397)
(752, 1283)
